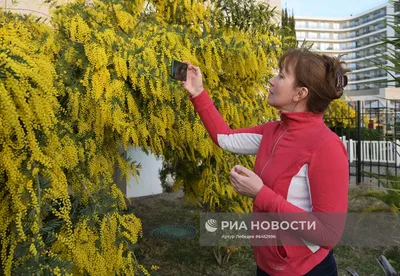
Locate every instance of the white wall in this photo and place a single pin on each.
(149, 182)
(390, 93)
(278, 9)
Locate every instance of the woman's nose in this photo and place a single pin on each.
(272, 81)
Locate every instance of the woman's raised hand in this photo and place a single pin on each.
(194, 80)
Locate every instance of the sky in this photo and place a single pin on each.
(330, 8)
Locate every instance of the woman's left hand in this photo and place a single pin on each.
(248, 185)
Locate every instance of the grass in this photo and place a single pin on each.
(186, 257)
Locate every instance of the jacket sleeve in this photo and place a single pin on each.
(328, 177)
(242, 141)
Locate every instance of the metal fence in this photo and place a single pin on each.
(370, 131)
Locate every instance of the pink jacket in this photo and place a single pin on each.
(304, 167)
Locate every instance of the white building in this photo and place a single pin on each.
(357, 38)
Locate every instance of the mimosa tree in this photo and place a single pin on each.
(97, 81)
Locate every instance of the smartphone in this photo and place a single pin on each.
(178, 70)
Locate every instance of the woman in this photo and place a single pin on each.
(301, 165)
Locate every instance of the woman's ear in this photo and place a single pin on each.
(301, 94)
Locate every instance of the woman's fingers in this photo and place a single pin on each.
(190, 66)
(235, 174)
(233, 183)
(242, 170)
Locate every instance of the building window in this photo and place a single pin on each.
(324, 35)
(336, 46)
(324, 25)
(312, 35)
(365, 19)
(335, 36)
(301, 34)
(336, 26)
(300, 24)
(352, 55)
(315, 46)
(352, 77)
(380, 13)
(352, 66)
(325, 46)
(312, 24)
(380, 26)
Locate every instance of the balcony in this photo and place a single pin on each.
(369, 40)
(349, 56)
(379, 15)
(358, 22)
(371, 52)
(367, 65)
(363, 31)
(353, 24)
(371, 86)
(372, 76)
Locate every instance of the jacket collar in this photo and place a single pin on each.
(297, 120)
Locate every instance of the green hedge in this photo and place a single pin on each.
(352, 133)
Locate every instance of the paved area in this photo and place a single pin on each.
(381, 169)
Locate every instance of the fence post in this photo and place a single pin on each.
(358, 146)
(397, 152)
(351, 150)
(343, 138)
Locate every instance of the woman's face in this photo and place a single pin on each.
(282, 93)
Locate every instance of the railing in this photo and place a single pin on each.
(374, 151)
(371, 137)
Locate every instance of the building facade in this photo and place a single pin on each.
(358, 39)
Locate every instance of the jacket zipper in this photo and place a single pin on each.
(272, 153)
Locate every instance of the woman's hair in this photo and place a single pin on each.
(322, 75)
